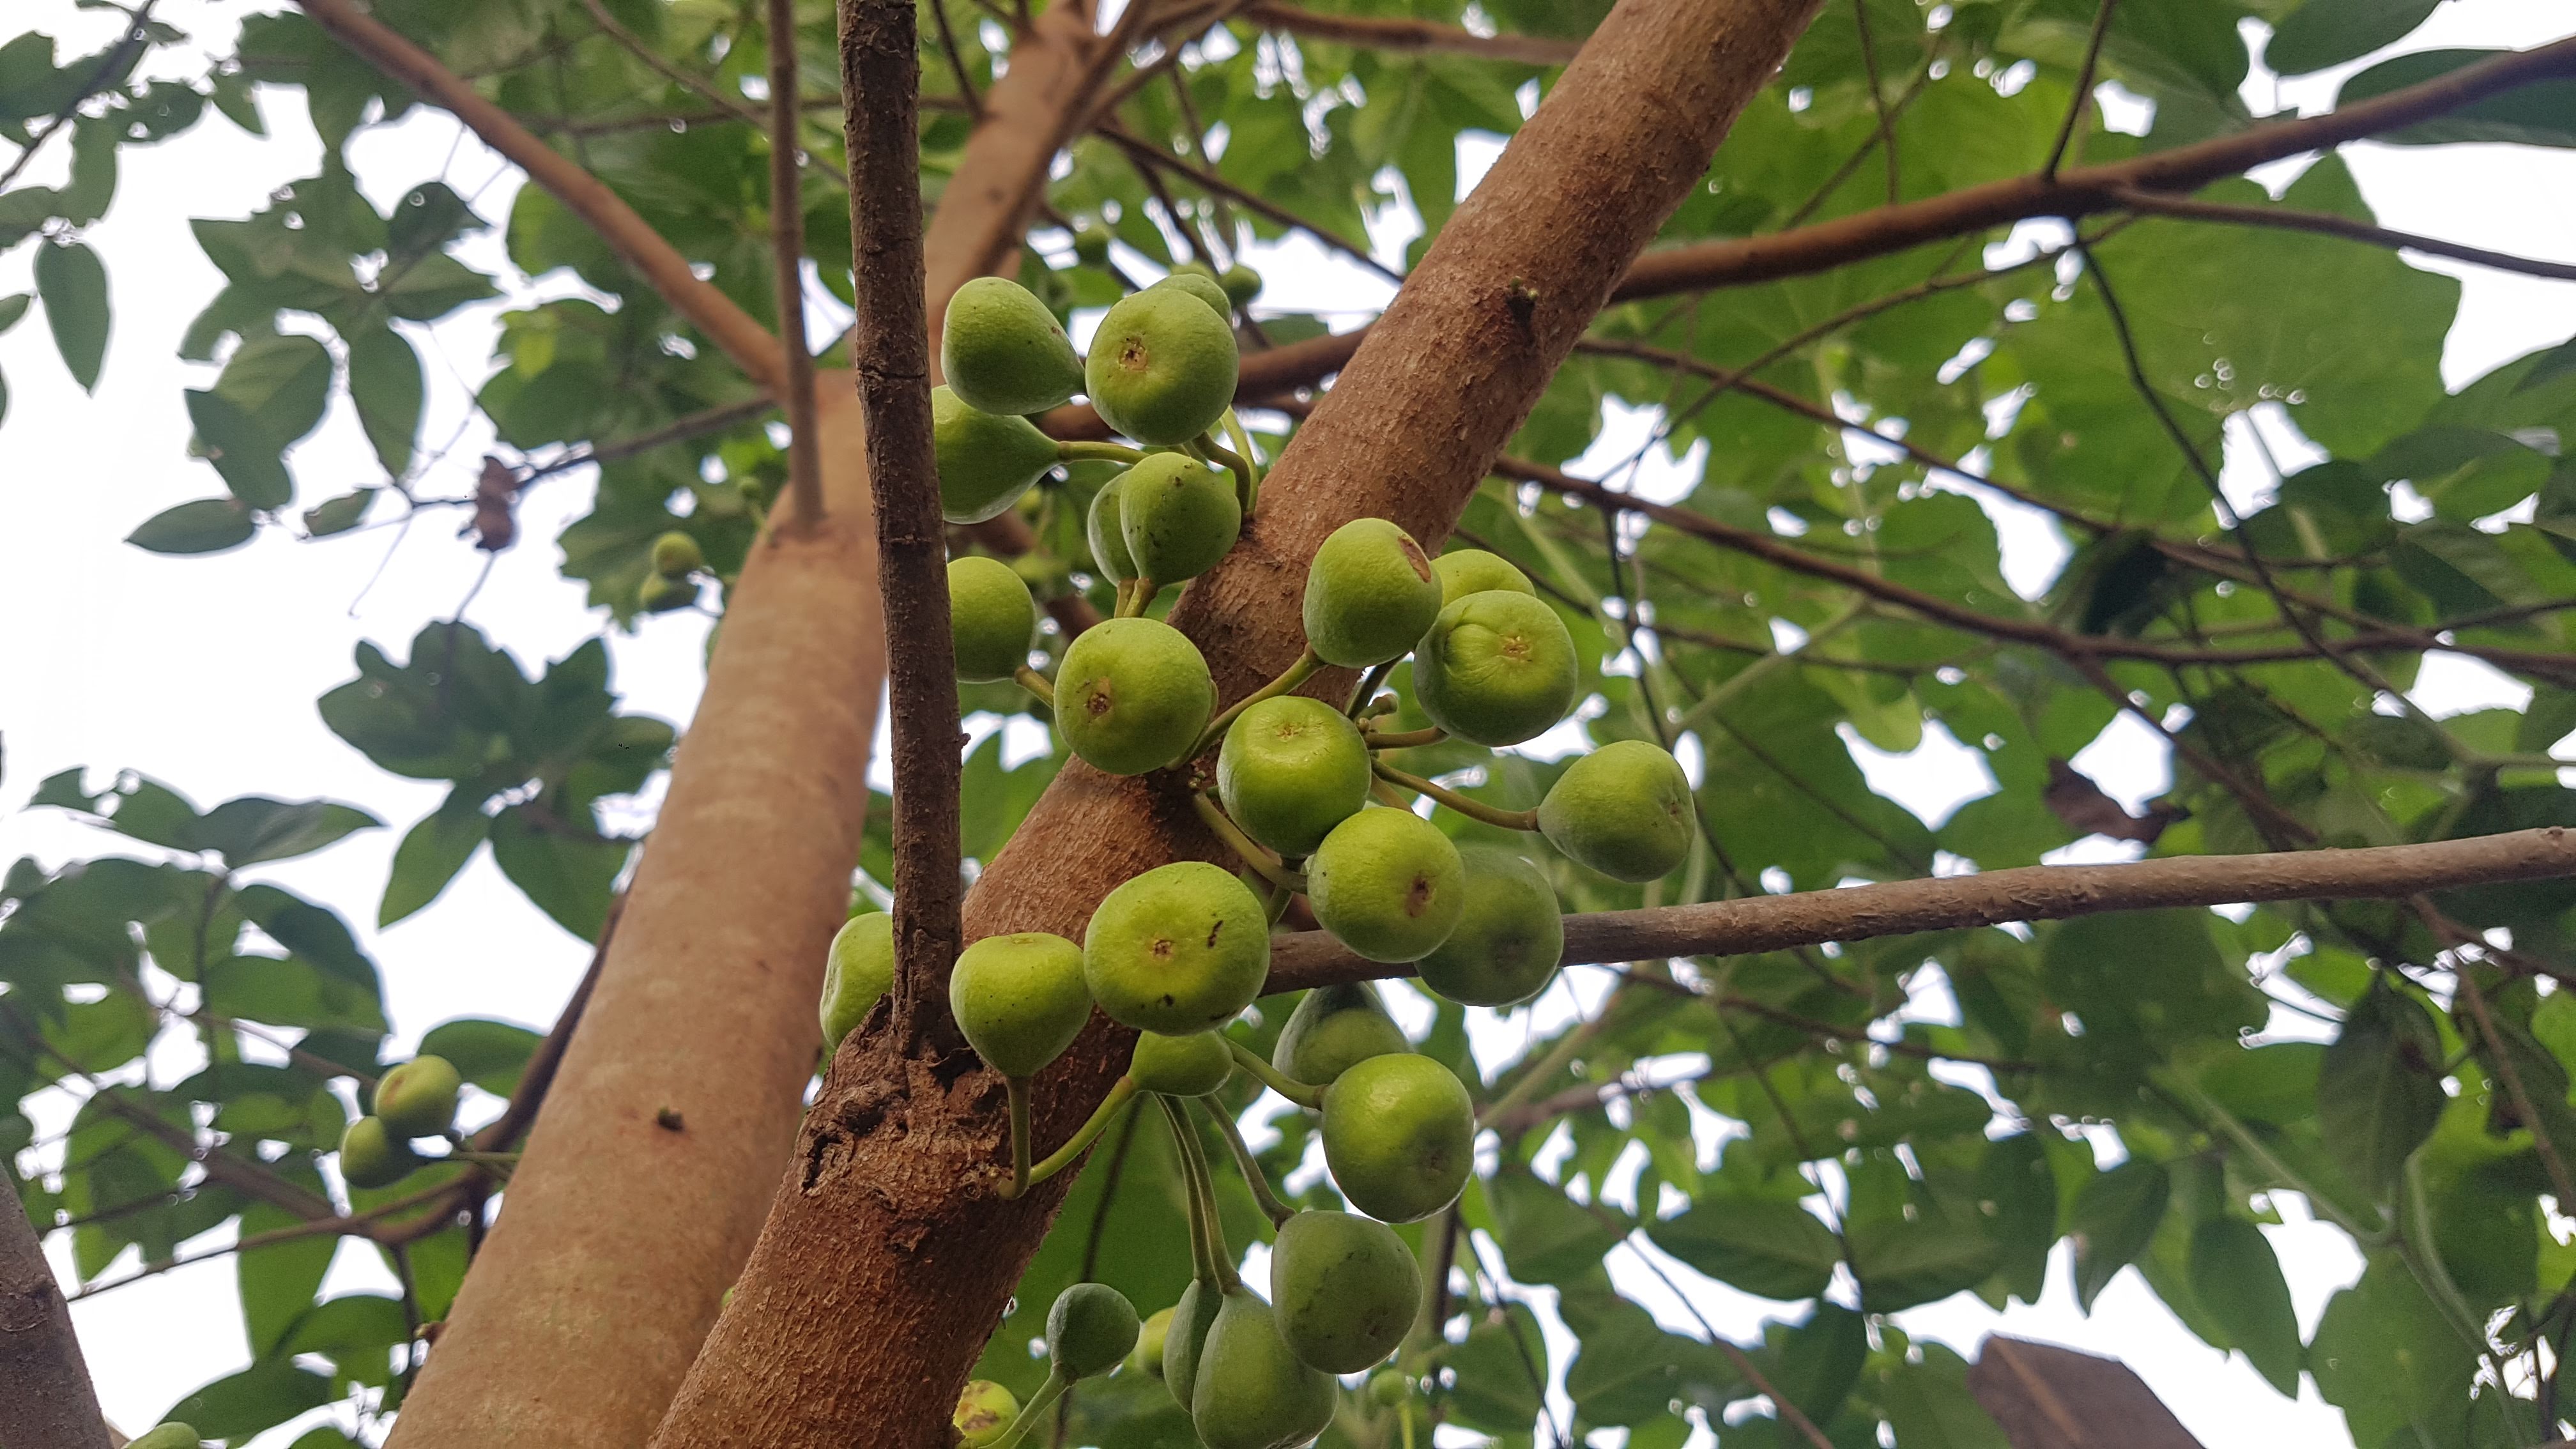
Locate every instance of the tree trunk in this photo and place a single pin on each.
(887, 1258)
(46, 1401)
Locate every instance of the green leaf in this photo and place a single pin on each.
(1767, 1248)
(2384, 1355)
(282, 383)
(2379, 1088)
(1547, 1238)
(339, 515)
(2542, 113)
(1502, 1371)
(73, 282)
(1815, 1364)
(2014, 1177)
(1929, 1406)
(254, 828)
(386, 385)
(2324, 33)
(2115, 1216)
(259, 1397)
(429, 216)
(432, 852)
(570, 874)
(13, 307)
(209, 525)
(277, 1282)
(1905, 1263)
(490, 1054)
(244, 455)
(2237, 1280)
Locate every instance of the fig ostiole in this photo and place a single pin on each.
(1370, 594)
(984, 1413)
(1291, 769)
(1003, 352)
(1162, 366)
(1387, 884)
(1496, 668)
(1510, 937)
(1399, 1136)
(1132, 695)
(1178, 949)
(1623, 810)
(991, 616)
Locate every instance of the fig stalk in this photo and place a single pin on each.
(1253, 1177)
(1271, 1077)
(1209, 449)
(1366, 693)
(1120, 1092)
(1268, 866)
(1289, 678)
(1079, 452)
(1017, 1090)
(1405, 739)
(1211, 1263)
(1472, 809)
(1036, 684)
(1034, 1410)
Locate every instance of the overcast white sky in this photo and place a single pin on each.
(202, 672)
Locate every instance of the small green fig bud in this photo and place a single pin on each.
(1347, 1289)
(1147, 1356)
(1389, 1387)
(990, 617)
(985, 460)
(1388, 884)
(1181, 1066)
(372, 1156)
(1106, 527)
(858, 969)
(1186, 1335)
(984, 1413)
(1162, 367)
(1253, 1392)
(170, 1435)
(1179, 516)
(1003, 352)
(1178, 949)
(1332, 1028)
(1496, 668)
(1370, 594)
(1091, 243)
(1020, 1000)
(1241, 284)
(1399, 1136)
(676, 555)
(1509, 938)
(1132, 695)
(1624, 810)
(1465, 571)
(418, 1098)
(1089, 1330)
(662, 594)
(1290, 770)
(1201, 281)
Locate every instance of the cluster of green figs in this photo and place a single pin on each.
(413, 1100)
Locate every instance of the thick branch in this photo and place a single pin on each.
(48, 1403)
(2326, 223)
(2033, 893)
(1370, 33)
(787, 255)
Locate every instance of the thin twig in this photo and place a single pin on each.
(787, 253)
(2326, 223)
(2083, 90)
(136, 32)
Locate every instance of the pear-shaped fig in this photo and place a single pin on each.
(1089, 1330)
(372, 1156)
(1291, 769)
(990, 617)
(676, 555)
(170, 1435)
(1241, 284)
(858, 970)
(1399, 1136)
(984, 1413)
(1186, 1335)
(662, 594)
(1253, 1392)
(1370, 593)
(1332, 1028)
(1132, 695)
(1624, 810)
(1509, 938)
(1003, 351)
(1388, 884)
(985, 460)
(1019, 999)
(1496, 668)
(1201, 281)
(1179, 516)
(1181, 1066)
(418, 1098)
(1162, 366)
(1147, 1356)
(1346, 1289)
(1179, 949)
(1091, 243)
(1465, 571)
(1389, 1387)
(1105, 526)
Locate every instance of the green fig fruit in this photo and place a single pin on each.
(662, 594)
(1389, 1387)
(1045, 575)
(1253, 1392)
(1509, 938)
(1624, 810)
(1347, 1289)
(1187, 1335)
(1179, 949)
(984, 1413)
(1333, 1027)
(1132, 695)
(418, 1098)
(676, 555)
(1290, 770)
(1106, 528)
(1241, 284)
(858, 970)
(1019, 999)
(990, 617)
(1465, 571)
(1399, 1136)
(1496, 668)
(985, 460)
(1179, 516)
(1091, 243)
(1162, 366)
(1147, 1356)
(1201, 281)
(1091, 1328)
(372, 1156)
(1003, 352)
(170, 1435)
(1387, 884)
(1370, 594)
(1181, 1066)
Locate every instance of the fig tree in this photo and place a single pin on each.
(984, 1413)
(1162, 366)
(1509, 938)
(1003, 352)
(1290, 770)
(1181, 1066)
(1399, 1136)
(1253, 1392)
(371, 1156)
(985, 460)
(1332, 1027)
(1496, 668)
(1624, 810)
(1132, 695)
(1346, 1288)
(1019, 999)
(858, 970)
(990, 617)
(1178, 949)
(1370, 593)
(1465, 571)
(1178, 515)
(1089, 1330)
(1387, 884)
(418, 1098)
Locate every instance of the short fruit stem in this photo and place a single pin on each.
(1136, 596)
(1405, 739)
(1017, 1089)
(1212, 1261)
(1036, 684)
(1295, 674)
(1366, 694)
(1238, 464)
(1472, 809)
(1098, 452)
(1245, 847)
(1120, 1092)
(1271, 1077)
(1035, 1410)
(1271, 1207)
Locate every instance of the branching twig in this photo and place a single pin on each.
(2083, 89)
(787, 251)
(137, 30)
(1405, 35)
(2328, 224)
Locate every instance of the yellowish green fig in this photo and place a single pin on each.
(676, 555)
(1241, 284)
(1147, 1356)
(1496, 668)
(1509, 939)
(1019, 999)
(418, 1098)
(1399, 1136)
(662, 594)
(1091, 1328)
(1389, 1387)
(1465, 571)
(1387, 884)
(1091, 243)
(1332, 1028)
(1370, 594)
(1201, 281)
(985, 460)
(990, 617)
(1346, 1288)
(1132, 695)
(858, 970)
(1290, 770)
(984, 1413)
(1179, 949)
(1624, 810)
(1186, 1335)
(1106, 528)
(1179, 516)
(1253, 1392)
(1181, 1066)
(372, 1156)
(1003, 351)
(1162, 366)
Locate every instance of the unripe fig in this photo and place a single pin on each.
(372, 1156)
(1091, 243)
(1147, 1356)
(1347, 1289)
(858, 970)
(1003, 351)
(1509, 938)
(1200, 281)
(1333, 1027)
(990, 617)
(1496, 668)
(1181, 1066)
(1624, 810)
(1045, 574)
(1241, 284)
(1132, 695)
(172, 1435)
(1389, 1387)
(1370, 593)
(1399, 1136)
(1106, 528)
(1019, 999)
(1089, 1330)
(985, 460)
(1253, 1392)
(1290, 770)
(418, 1098)
(676, 555)
(984, 1413)
(1179, 949)
(1465, 571)
(1187, 1334)
(1162, 366)
(1179, 516)
(661, 594)
(1388, 884)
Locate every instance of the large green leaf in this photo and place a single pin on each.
(1769, 1249)
(385, 383)
(73, 283)
(2379, 1088)
(432, 852)
(569, 872)
(2322, 33)
(2115, 1216)
(2236, 1279)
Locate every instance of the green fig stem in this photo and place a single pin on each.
(1215, 1263)
(1405, 739)
(1034, 1410)
(1271, 1077)
(1289, 678)
(1209, 449)
(1242, 440)
(1269, 866)
(1404, 1417)
(1136, 596)
(1472, 809)
(498, 1164)
(1017, 1089)
(1099, 452)
(1253, 1177)
(1386, 794)
(1367, 690)
(1036, 684)
(1120, 1092)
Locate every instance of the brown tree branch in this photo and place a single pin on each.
(46, 1401)
(1406, 36)
(2328, 224)
(787, 253)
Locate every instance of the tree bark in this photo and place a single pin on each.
(46, 1401)
(887, 1257)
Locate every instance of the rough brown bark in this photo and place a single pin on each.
(46, 1401)
(887, 1256)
